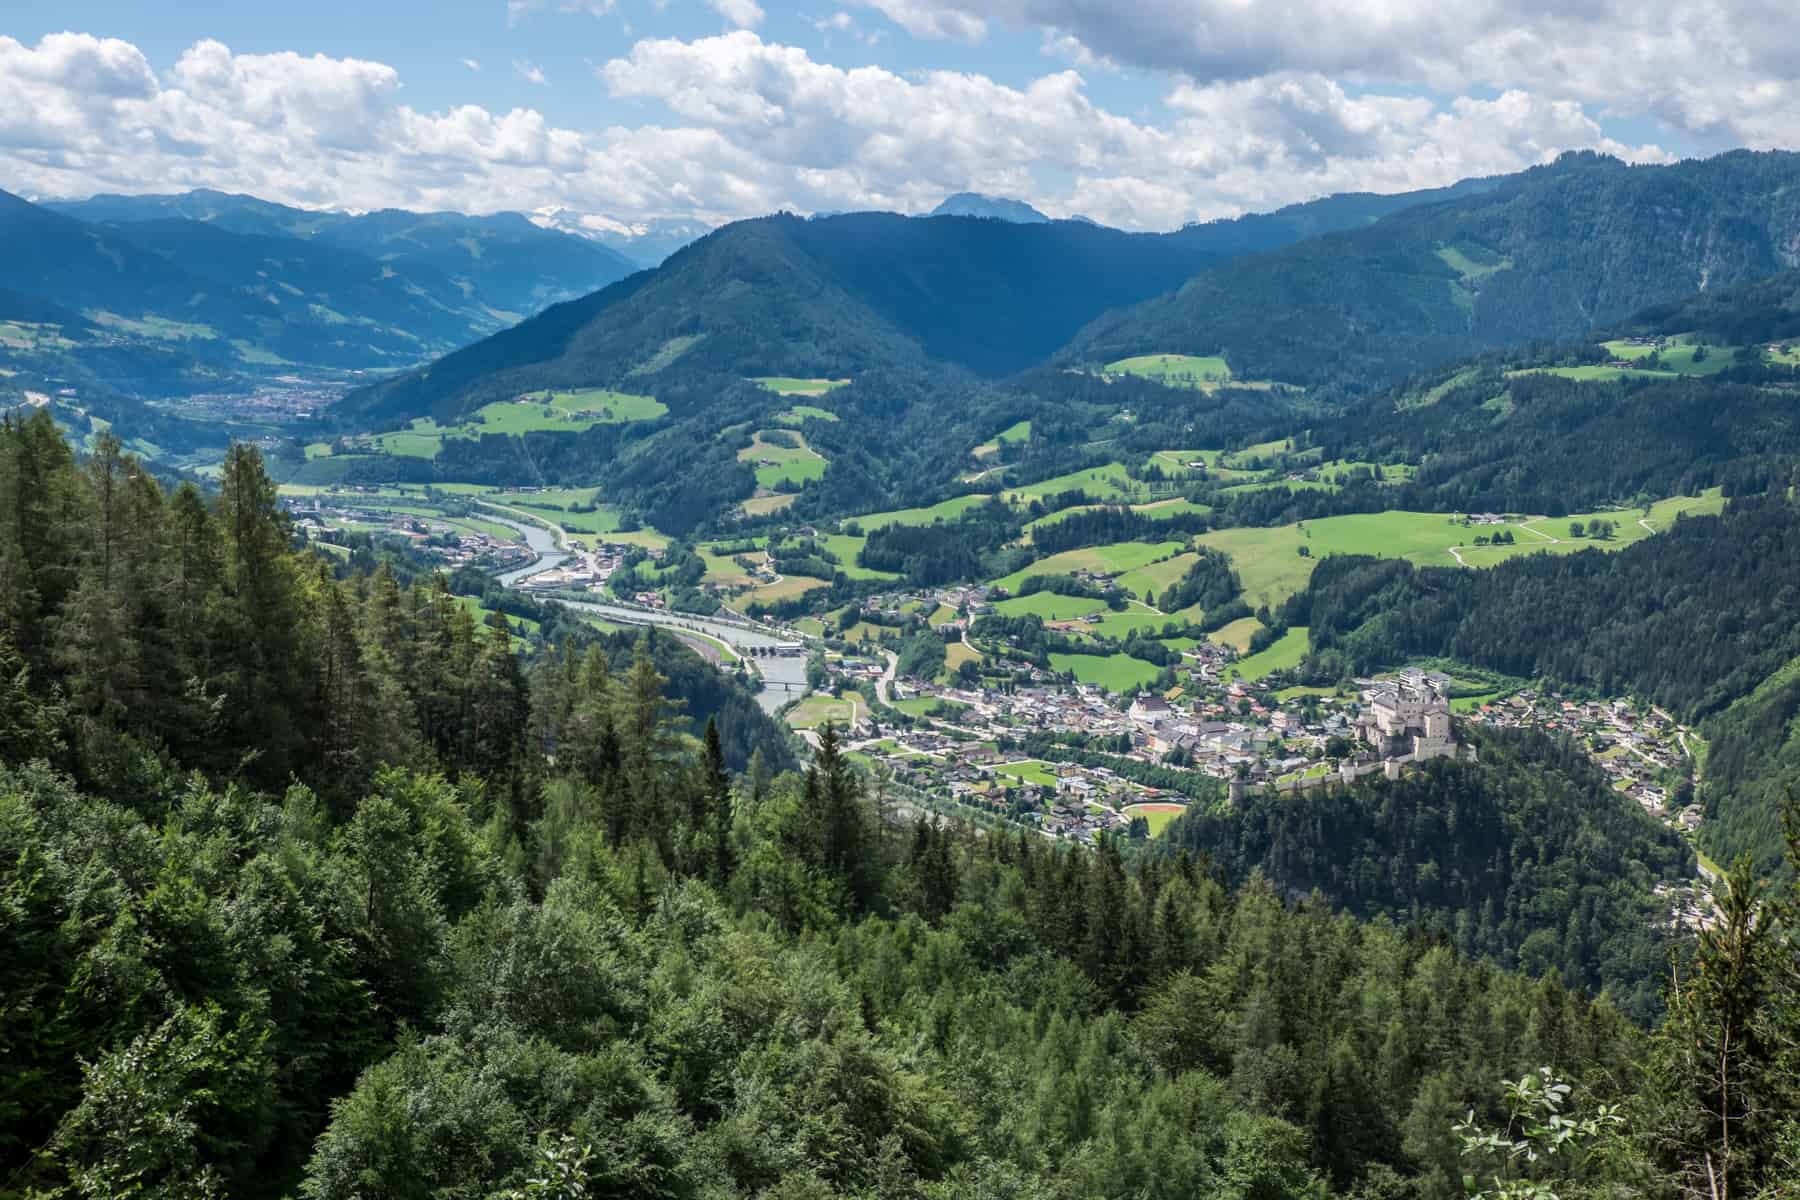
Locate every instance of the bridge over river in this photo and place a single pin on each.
(780, 660)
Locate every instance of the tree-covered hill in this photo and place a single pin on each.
(1474, 850)
(1548, 254)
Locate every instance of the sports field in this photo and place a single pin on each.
(1157, 816)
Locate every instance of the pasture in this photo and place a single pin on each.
(1115, 559)
(1174, 370)
(847, 547)
(945, 510)
(1114, 672)
(1286, 652)
(1018, 431)
(1049, 606)
(1156, 577)
(762, 506)
(776, 465)
(1100, 483)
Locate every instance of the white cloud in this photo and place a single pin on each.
(530, 72)
(932, 19)
(1724, 67)
(472, 64)
(745, 14)
(736, 126)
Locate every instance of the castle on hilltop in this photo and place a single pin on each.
(1403, 721)
(1407, 719)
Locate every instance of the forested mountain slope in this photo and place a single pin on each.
(836, 297)
(1550, 253)
(312, 879)
(1475, 850)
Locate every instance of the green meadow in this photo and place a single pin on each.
(782, 385)
(776, 465)
(1115, 559)
(1286, 652)
(1114, 672)
(1174, 370)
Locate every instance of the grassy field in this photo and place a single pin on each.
(814, 711)
(1114, 672)
(553, 411)
(1156, 576)
(784, 386)
(1101, 483)
(918, 706)
(1157, 816)
(783, 464)
(946, 510)
(1272, 569)
(789, 587)
(762, 506)
(1551, 535)
(1174, 370)
(1123, 624)
(847, 548)
(1018, 431)
(1594, 373)
(1287, 652)
(958, 653)
(1049, 606)
(723, 570)
(1030, 771)
(1237, 634)
(1115, 559)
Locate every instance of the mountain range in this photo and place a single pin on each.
(1549, 253)
(838, 296)
(202, 291)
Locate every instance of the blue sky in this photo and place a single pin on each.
(624, 111)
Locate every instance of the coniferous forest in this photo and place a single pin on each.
(312, 886)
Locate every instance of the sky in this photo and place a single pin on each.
(1145, 114)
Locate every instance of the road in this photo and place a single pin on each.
(886, 682)
(784, 677)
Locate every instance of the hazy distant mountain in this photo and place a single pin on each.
(503, 262)
(1001, 208)
(645, 243)
(1549, 253)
